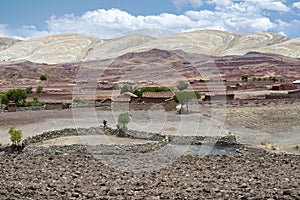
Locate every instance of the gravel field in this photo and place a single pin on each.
(255, 174)
(270, 126)
(248, 174)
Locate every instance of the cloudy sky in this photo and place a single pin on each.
(107, 18)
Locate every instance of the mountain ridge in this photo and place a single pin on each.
(68, 48)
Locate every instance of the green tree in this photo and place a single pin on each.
(123, 120)
(43, 77)
(273, 79)
(4, 98)
(127, 88)
(254, 79)
(39, 89)
(116, 86)
(245, 77)
(182, 85)
(15, 95)
(15, 136)
(184, 97)
(28, 90)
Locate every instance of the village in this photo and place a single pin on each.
(143, 94)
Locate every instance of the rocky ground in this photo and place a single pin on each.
(254, 174)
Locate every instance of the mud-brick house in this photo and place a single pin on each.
(218, 97)
(11, 107)
(283, 87)
(156, 97)
(56, 105)
(149, 99)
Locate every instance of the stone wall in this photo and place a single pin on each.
(133, 134)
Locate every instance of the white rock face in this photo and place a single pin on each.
(67, 48)
(51, 49)
(7, 42)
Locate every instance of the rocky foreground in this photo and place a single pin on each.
(250, 174)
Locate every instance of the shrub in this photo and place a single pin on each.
(43, 77)
(39, 89)
(15, 136)
(123, 120)
(127, 88)
(182, 85)
(245, 77)
(28, 90)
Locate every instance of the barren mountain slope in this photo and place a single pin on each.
(116, 47)
(289, 48)
(69, 48)
(51, 49)
(7, 42)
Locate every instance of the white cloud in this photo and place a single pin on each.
(239, 16)
(107, 23)
(270, 5)
(249, 5)
(181, 3)
(296, 5)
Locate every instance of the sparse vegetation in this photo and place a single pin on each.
(182, 85)
(184, 97)
(35, 102)
(39, 89)
(127, 88)
(15, 136)
(123, 120)
(244, 77)
(43, 77)
(273, 79)
(115, 86)
(29, 90)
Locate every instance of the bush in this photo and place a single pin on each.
(39, 89)
(43, 77)
(15, 136)
(127, 88)
(28, 90)
(123, 120)
(182, 85)
(245, 77)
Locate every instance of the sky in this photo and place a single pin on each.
(26, 19)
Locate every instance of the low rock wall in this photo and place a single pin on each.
(156, 141)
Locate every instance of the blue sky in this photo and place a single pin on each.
(106, 18)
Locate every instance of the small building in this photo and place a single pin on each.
(219, 97)
(156, 97)
(232, 87)
(11, 107)
(278, 87)
(54, 105)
